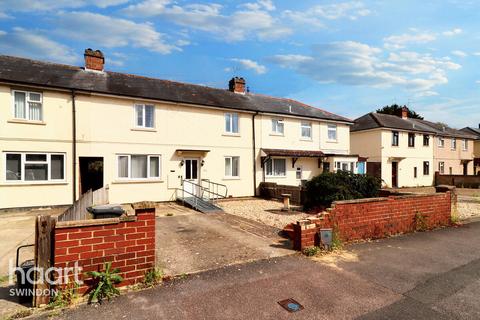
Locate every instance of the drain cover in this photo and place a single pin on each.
(290, 305)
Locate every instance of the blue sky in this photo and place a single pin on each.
(347, 57)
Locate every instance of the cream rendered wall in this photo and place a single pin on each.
(367, 144)
(452, 158)
(414, 157)
(53, 134)
(292, 140)
(176, 127)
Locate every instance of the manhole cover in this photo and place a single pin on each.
(290, 305)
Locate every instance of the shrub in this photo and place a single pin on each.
(327, 187)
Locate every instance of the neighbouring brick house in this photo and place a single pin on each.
(67, 129)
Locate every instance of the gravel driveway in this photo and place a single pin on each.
(260, 210)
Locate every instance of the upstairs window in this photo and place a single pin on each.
(426, 140)
(332, 132)
(231, 167)
(395, 138)
(464, 145)
(276, 167)
(144, 116)
(138, 166)
(231, 122)
(454, 144)
(27, 105)
(306, 129)
(411, 140)
(441, 142)
(278, 127)
(35, 167)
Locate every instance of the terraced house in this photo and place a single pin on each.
(476, 146)
(406, 152)
(67, 129)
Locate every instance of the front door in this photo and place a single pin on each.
(465, 168)
(394, 174)
(91, 173)
(191, 176)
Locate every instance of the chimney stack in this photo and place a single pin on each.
(237, 85)
(404, 113)
(94, 60)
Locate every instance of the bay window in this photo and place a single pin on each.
(276, 167)
(138, 167)
(35, 167)
(27, 105)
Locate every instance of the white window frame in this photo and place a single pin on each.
(23, 162)
(230, 174)
(441, 167)
(395, 142)
(464, 144)
(347, 166)
(453, 144)
(306, 125)
(273, 175)
(332, 128)
(144, 106)
(233, 115)
(27, 105)
(441, 142)
(276, 124)
(148, 178)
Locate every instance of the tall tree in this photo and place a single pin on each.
(396, 110)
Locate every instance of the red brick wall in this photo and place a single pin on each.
(128, 243)
(375, 218)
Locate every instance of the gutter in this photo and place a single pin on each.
(254, 155)
(74, 148)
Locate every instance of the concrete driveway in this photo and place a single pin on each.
(197, 242)
(434, 275)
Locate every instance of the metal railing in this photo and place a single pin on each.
(209, 191)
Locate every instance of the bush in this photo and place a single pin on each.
(327, 187)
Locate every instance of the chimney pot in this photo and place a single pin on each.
(237, 85)
(404, 113)
(94, 60)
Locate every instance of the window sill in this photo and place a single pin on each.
(231, 178)
(135, 181)
(20, 121)
(144, 129)
(332, 141)
(306, 139)
(33, 183)
(277, 134)
(228, 134)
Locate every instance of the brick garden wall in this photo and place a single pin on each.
(129, 243)
(375, 218)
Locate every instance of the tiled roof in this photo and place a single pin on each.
(31, 72)
(379, 120)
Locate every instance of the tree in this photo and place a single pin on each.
(396, 110)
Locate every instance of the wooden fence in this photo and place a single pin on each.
(271, 190)
(79, 209)
(457, 180)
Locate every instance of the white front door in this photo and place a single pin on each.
(191, 174)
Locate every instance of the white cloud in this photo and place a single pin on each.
(49, 5)
(251, 65)
(354, 63)
(32, 44)
(459, 53)
(396, 42)
(453, 32)
(104, 31)
(316, 15)
(478, 81)
(251, 21)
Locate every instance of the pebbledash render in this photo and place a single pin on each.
(67, 129)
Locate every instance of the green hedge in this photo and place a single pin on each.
(323, 189)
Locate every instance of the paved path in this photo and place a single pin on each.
(434, 275)
(197, 242)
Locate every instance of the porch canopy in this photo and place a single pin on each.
(294, 154)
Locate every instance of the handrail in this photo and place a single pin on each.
(210, 193)
(215, 186)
